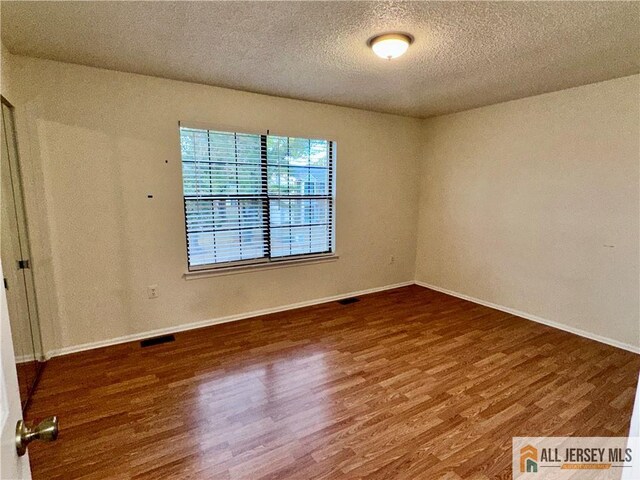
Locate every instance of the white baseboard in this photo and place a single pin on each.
(317, 301)
(534, 318)
(25, 358)
(215, 321)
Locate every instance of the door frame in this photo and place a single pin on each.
(40, 358)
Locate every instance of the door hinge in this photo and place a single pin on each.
(22, 264)
(6, 285)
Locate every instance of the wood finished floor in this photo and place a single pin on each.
(405, 384)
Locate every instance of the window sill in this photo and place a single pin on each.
(216, 272)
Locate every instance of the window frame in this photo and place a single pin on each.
(267, 261)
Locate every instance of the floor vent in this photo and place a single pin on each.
(348, 301)
(150, 342)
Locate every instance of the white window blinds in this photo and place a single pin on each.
(255, 198)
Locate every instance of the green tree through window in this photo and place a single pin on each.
(255, 198)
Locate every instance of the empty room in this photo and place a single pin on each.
(256, 240)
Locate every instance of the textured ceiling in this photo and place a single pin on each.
(466, 54)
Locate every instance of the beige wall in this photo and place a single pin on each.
(534, 205)
(101, 140)
(517, 203)
(5, 70)
(24, 339)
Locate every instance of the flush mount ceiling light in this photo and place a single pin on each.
(390, 45)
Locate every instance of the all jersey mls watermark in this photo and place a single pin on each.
(597, 458)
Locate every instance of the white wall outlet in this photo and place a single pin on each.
(152, 291)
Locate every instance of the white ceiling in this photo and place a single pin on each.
(466, 54)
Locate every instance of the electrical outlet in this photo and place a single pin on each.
(392, 260)
(152, 291)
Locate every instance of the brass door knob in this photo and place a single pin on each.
(46, 430)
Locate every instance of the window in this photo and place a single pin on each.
(252, 198)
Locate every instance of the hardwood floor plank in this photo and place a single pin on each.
(405, 384)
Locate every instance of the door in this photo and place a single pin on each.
(11, 465)
(16, 261)
(20, 342)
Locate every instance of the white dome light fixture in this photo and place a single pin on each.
(390, 45)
